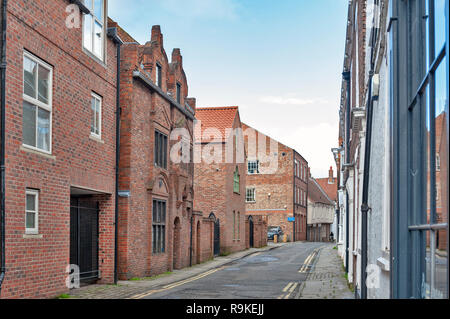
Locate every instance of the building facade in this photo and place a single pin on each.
(220, 179)
(393, 149)
(158, 228)
(321, 211)
(277, 185)
(59, 111)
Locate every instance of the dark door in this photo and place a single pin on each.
(84, 237)
(216, 234)
(250, 224)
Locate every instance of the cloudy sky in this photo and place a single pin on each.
(279, 61)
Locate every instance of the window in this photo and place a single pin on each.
(159, 227)
(438, 162)
(250, 195)
(238, 226)
(96, 115)
(37, 103)
(160, 150)
(31, 211)
(158, 75)
(253, 167)
(236, 184)
(234, 225)
(178, 92)
(419, 95)
(94, 28)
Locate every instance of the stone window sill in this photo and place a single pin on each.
(32, 151)
(33, 236)
(96, 138)
(384, 264)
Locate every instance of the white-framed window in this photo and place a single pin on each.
(250, 195)
(253, 167)
(37, 104)
(31, 211)
(94, 28)
(96, 115)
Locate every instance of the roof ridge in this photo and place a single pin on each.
(217, 108)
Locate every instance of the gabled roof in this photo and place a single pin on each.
(330, 189)
(316, 194)
(220, 118)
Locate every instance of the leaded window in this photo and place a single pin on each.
(159, 227)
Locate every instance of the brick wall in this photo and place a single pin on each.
(214, 194)
(144, 111)
(277, 207)
(36, 264)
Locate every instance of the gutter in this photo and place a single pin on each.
(112, 33)
(2, 141)
(152, 86)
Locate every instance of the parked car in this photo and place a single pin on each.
(274, 230)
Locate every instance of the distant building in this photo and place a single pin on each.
(330, 186)
(219, 186)
(321, 211)
(277, 189)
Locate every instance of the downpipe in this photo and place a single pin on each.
(2, 143)
(112, 32)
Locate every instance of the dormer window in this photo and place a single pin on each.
(94, 28)
(158, 75)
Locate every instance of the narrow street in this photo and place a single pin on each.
(267, 275)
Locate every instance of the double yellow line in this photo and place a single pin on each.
(176, 284)
(306, 265)
(289, 289)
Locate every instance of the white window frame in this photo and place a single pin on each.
(35, 230)
(247, 196)
(100, 99)
(95, 19)
(254, 162)
(35, 101)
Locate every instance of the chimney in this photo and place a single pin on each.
(176, 57)
(192, 102)
(331, 176)
(157, 35)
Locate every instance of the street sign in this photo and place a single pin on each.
(291, 219)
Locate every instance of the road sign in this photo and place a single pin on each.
(291, 219)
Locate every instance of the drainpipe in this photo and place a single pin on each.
(112, 32)
(2, 142)
(346, 76)
(365, 192)
(190, 247)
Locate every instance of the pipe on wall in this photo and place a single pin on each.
(112, 32)
(2, 141)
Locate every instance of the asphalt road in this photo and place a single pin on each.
(272, 274)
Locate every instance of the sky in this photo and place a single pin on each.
(279, 61)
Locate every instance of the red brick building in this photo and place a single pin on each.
(60, 146)
(277, 184)
(220, 183)
(156, 213)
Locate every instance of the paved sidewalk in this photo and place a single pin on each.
(326, 279)
(129, 288)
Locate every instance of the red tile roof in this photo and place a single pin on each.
(220, 118)
(317, 194)
(330, 189)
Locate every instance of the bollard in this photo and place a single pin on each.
(275, 239)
